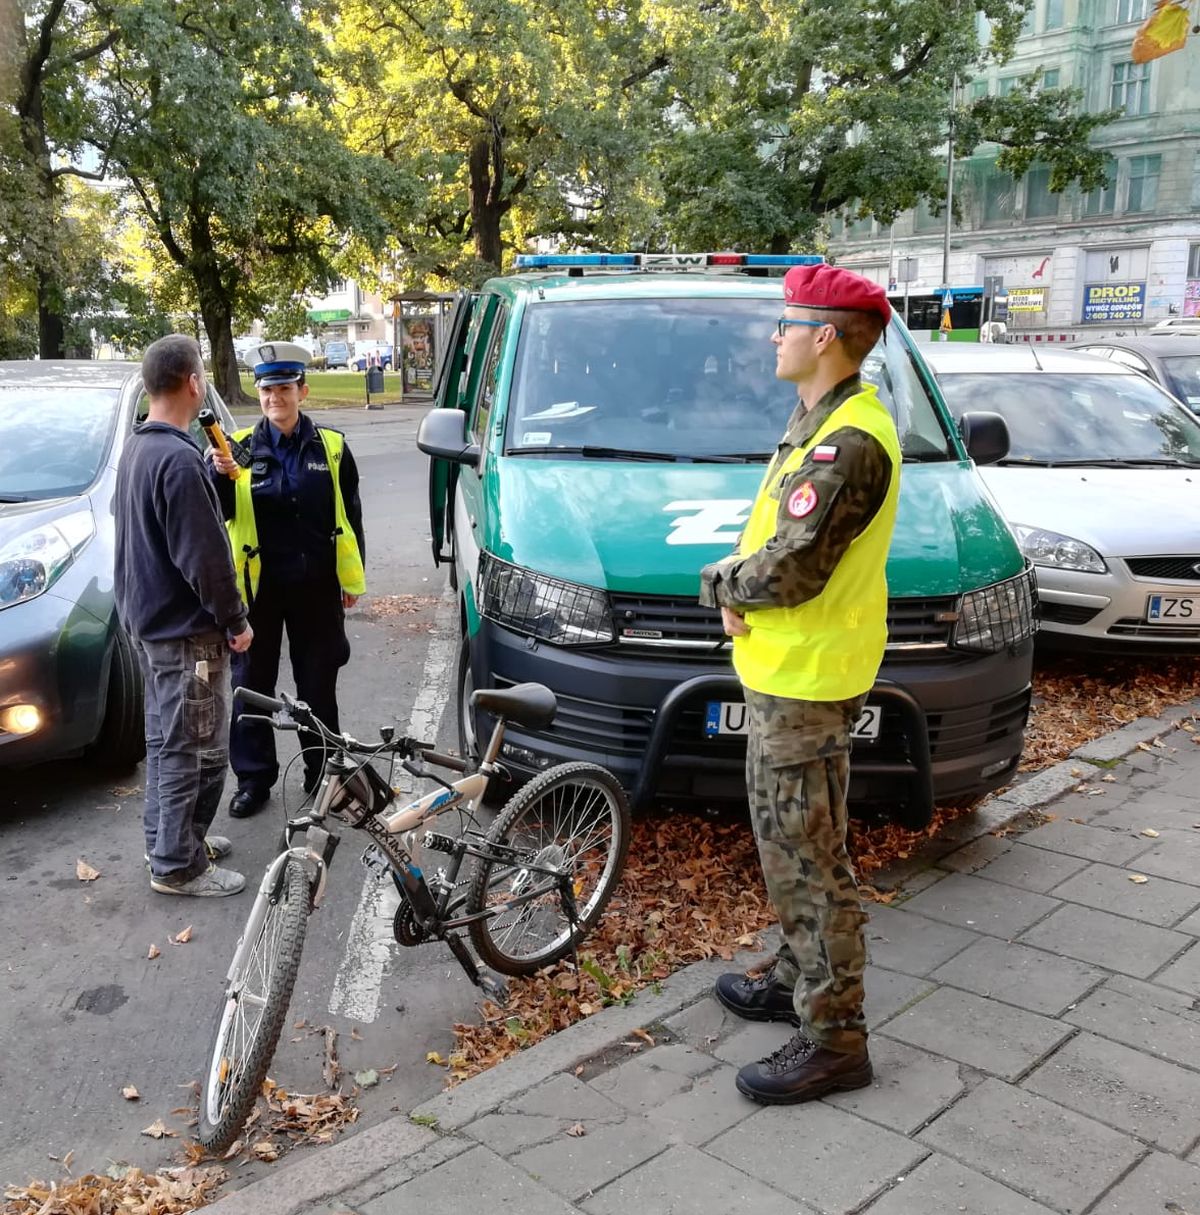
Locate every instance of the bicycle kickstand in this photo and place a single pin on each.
(566, 895)
(491, 985)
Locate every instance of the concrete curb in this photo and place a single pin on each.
(362, 1156)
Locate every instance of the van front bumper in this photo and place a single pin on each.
(952, 724)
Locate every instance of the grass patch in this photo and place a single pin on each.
(330, 389)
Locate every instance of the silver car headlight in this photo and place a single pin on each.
(999, 616)
(530, 603)
(1058, 552)
(32, 563)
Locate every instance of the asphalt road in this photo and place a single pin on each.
(86, 1012)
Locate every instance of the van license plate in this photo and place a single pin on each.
(1173, 609)
(730, 717)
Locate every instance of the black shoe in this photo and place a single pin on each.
(246, 802)
(800, 1070)
(758, 999)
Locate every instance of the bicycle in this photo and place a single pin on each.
(547, 865)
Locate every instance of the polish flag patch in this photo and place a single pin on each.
(824, 454)
(802, 500)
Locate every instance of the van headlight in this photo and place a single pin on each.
(562, 612)
(32, 563)
(999, 616)
(1058, 552)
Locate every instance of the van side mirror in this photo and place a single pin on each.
(985, 436)
(443, 434)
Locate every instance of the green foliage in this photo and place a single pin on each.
(785, 113)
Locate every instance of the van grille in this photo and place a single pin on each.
(675, 629)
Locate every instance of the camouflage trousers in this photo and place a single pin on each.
(797, 774)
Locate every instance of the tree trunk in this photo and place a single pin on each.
(486, 176)
(216, 310)
(51, 322)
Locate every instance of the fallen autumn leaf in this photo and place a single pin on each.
(84, 872)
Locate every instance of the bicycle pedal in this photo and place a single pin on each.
(494, 988)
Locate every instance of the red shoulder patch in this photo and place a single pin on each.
(802, 500)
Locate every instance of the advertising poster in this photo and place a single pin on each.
(1109, 302)
(1027, 299)
(1191, 297)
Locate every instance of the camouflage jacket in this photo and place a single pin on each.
(794, 565)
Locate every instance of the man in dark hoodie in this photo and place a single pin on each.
(177, 598)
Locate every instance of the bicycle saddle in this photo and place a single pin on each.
(528, 704)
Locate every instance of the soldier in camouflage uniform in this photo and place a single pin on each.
(805, 599)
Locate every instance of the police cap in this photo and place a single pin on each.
(277, 363)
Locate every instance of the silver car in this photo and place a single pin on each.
(1101, 485)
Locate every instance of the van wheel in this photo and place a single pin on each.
(121, 743)
(469, 746)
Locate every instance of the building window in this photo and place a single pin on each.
(1040, 203)
(1100, 201)
(1144, 172)
(1116, 265)
(979, 89)
(858, 227)
(1050, 79)
(1054, 14)
(1007, 84)
(999, 198)
(925, 220)
(1028, 21)
(1130, 10)
(1193, 261)
(1130, 88)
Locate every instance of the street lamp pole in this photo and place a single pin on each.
(949, 185)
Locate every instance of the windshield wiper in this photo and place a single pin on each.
(1102, 462)
(1013, 462)
(15, 498)
(623, 453)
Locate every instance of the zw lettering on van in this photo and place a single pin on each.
(712, 521)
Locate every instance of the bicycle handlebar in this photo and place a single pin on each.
(245, 698)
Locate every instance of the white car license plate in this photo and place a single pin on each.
(1173, 609)
(730, 717)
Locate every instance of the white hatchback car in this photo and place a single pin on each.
(1101, 485)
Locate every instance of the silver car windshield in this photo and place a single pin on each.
(53, 439)
(1068, 418)
(1183, 374)
(682, 378)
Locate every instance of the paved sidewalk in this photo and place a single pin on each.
(1036, 1040)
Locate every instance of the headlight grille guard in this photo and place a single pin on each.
(1000, 616)
(537, 605)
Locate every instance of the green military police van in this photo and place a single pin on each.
(601, 426)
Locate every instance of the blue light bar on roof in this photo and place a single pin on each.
(548, 261)
(662, 261)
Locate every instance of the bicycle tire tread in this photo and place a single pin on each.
(221, 1135)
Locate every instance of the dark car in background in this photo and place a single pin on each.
(69, 680)
(1169, 359)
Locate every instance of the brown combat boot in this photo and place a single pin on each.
(800, 1070)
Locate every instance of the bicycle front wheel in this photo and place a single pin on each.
(571, 819)
(251, 1017)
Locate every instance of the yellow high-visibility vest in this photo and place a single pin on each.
(243, 528)
(829, 648)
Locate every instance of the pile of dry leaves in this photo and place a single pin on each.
(121, 1191)
(1080, 698)
(693, 890)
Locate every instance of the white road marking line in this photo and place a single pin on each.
(370, 941)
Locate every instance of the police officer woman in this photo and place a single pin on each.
(295, 527)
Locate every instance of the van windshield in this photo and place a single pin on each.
(688, 378)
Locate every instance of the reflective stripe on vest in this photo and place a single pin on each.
(829, 648)
(243, 528)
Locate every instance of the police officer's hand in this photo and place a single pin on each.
(733, 623)
(223, 463)
(240, 643)
(348, 600)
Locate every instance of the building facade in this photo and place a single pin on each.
(350, 314)
(1073, 264)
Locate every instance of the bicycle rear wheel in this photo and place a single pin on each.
(251, 1017)
(571, 818)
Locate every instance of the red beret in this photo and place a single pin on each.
(823, 286)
